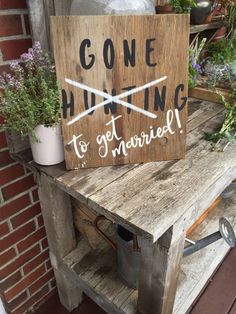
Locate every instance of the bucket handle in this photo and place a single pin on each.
(107, 239)
(102, 234)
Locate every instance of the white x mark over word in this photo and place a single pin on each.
(116, 99)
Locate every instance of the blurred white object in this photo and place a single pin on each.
(112, 7)
(2, 311)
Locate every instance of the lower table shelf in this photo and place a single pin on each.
(95, 271)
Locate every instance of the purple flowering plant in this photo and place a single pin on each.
(30, 93)
(195, 65)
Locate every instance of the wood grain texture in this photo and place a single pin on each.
(203, 216)
(120, 189)
(84, 219)
(57, 216)
(57, 213)
(154, 212)
(204, 93)
(159, 192)
(69, 293)
(200, 28)
(171, 61)
(95, 271)
(159, 272)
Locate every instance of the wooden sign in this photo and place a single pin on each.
(124, 87)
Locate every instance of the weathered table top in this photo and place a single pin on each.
(149, 198)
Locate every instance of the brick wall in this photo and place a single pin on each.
(26, 276)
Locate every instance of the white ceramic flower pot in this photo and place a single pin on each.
(49, 151)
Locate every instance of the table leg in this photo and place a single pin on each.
(159, 272)
(58, 220)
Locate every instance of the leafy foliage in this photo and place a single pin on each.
(194, 68)
(31, 94)
(228, 128)
(223, 51)
(230, 18)
(182, 6)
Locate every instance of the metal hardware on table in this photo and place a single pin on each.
(226, 232)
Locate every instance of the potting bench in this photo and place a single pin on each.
(158, 201)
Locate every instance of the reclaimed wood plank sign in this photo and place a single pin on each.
(124, 87)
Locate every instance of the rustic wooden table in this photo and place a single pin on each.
(158, 201)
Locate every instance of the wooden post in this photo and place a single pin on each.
(39, 12)
(57, 215)
(159, 272)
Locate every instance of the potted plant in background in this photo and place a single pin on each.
(165, 8)
(183, 6)
(220, 62)
(30, 104)
(176, 6)
(199, 14)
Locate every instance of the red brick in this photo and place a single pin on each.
(14, 206)
(12, 49)
(35, 195)
(35, 262)
(10, 25)
(30, 240)
(34, 299)
(5, 158)
(17, 301)
(10, 281)
(24, 283)
(3, 141)
(26, 215)
(7, 256)
(4, 229)
(40, 221)
(41, 282)
(27, 24)
(21, 260)
(17, 187)
(45, 243)
(13, 4)
(16, 236)
(11, 173)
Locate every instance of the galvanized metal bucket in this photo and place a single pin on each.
(128, 253)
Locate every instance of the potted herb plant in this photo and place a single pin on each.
(30, 104)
